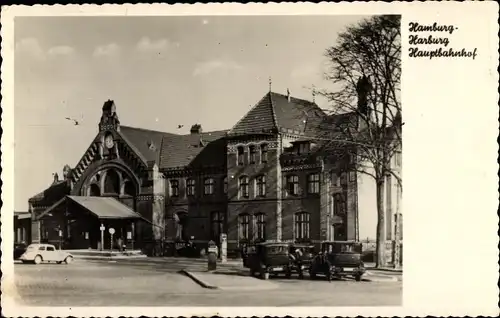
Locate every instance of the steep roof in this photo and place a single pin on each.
(54, 192)
(147, 143)
(275, 112)
(193, 150)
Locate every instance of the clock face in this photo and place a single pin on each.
(109, 141)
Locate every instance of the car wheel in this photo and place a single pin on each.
(357, 278)
(312, 274)
(68, 260)
(37, 260)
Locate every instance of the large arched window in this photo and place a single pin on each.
(243, 187)
(112, 182)
(302, 226)
(128, 188)
(94, 190)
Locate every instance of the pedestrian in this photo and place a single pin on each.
(120, 244)
(298, 261)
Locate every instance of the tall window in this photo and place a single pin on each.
(260, 186)
(335, 179)
(208, 186)
(339, 207)
(243, 187)
(190, 187)
(302, 223)
(252, 153)
(263, 153)
(224, 185)
(244, 226)
(313, 183)
(217, 224)
(260, 226)
(174, 188)
(292, 185)
(241, 156)
(397, 159)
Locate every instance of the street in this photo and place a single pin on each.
(158, 283)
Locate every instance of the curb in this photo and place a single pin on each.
(197, 280)
(380, 278)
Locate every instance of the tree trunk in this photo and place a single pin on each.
(380, 247)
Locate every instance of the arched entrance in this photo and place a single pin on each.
(181, 222)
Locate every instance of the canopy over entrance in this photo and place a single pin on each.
(101, 207)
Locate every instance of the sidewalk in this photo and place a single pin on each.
(371, 267)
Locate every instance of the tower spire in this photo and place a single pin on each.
(314, 93)
(270, 83)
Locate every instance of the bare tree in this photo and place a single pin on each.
(366, 64)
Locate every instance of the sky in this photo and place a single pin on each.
(160, 71)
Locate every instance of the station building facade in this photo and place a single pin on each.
(267, 178)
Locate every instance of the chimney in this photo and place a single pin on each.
(196, 129)
(288, 94)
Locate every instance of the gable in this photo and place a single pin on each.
(260, 118)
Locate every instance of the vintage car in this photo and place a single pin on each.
(38, 253)
(19, 250)
(338, 259)
(268, 259)
(308, 253)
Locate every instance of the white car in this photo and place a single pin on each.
(38, 253)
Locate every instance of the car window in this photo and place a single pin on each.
(31, 247)
(41, 248)
(50, 248)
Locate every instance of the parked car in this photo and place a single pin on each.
(19, 250)
(38, 253)
(269, 258)
(338, 259)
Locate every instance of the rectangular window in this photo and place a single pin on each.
(252, 153)
(292, 185)
(313, 183)
(241, 156)
(174, 188)
(208, 186)
(302, 223)
(260, 226)
(217, 224)
(244, 226)
(263, 153)
(190, 187)
(260, 185)
(243, 187)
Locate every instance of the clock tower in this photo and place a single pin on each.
(108, 124)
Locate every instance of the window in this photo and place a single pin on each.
(208, 186)
(263, 153)
(397, 159)
(343, 179)
(225, 185)
(260, 226)
(252, 153)
(244, 226)
(292, 185)
(190, 187)
(339, 207)
(174, 188)
(313, 183)
(50, 248)
(335, 179)
(41, 248)
(260, 185)
(243, 187)
(303, 148)
(217, 224)
(241, 156)
(302, 222)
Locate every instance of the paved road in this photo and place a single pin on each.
(157, 283)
